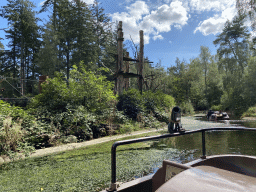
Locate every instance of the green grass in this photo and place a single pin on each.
(85, 169)
(251, 112)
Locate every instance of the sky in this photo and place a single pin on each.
(172, 28)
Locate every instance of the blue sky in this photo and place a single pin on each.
(172, 28)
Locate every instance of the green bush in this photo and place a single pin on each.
(251, 112)
(112, 116)
(216, 107)
(11, 134)
(187, 108)
(157, 101)
(131, 103)
(73, 107)
(85, 88)
(126, 128)
(20, 131)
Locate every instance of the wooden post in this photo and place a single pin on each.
(127, 70)
(119, 68)
(141, 62)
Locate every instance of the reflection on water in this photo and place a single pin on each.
(217, 142)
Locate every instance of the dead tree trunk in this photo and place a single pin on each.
(141, 62)
(119, 68)
(127, 70)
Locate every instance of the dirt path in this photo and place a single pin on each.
(70, 146)
(189, 123)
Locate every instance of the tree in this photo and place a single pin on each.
(205, 57)
(233, 56)
(196, 81)
(78, 33)
(102, 28)
(179, 82)
(250, 83)
(85, 88)
(23, 33)
(85, 46)
(48, 60)
(155, 78)
(247, 8)
(215, 84)
(233, 44)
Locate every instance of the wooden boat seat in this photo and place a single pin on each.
(208, 178)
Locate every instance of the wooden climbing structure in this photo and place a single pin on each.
(122, 68)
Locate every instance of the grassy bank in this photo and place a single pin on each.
(85, 169)
(251, 112)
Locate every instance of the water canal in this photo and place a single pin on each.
(188, 147)
(217, 142)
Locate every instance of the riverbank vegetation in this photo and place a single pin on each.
(251, 112)
(77, 101)
(84, 109)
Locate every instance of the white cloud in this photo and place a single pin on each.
(212, 25)
(164, 17)
(213, 5)
(131, 20)
(138, 9)
(157, 21)
(88, 2)
(158, 37)
(215, 24)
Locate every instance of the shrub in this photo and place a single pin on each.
(157, 101)
(112, 116)
(251, 112)
(131, 103)
(11, 135)
(69, 139)
(85, 88)
(187, 108)
(72, 107)
(163, 116)
(126, 128)
(75, 121)
(15, 112)
(216, 107)
(30, 131)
